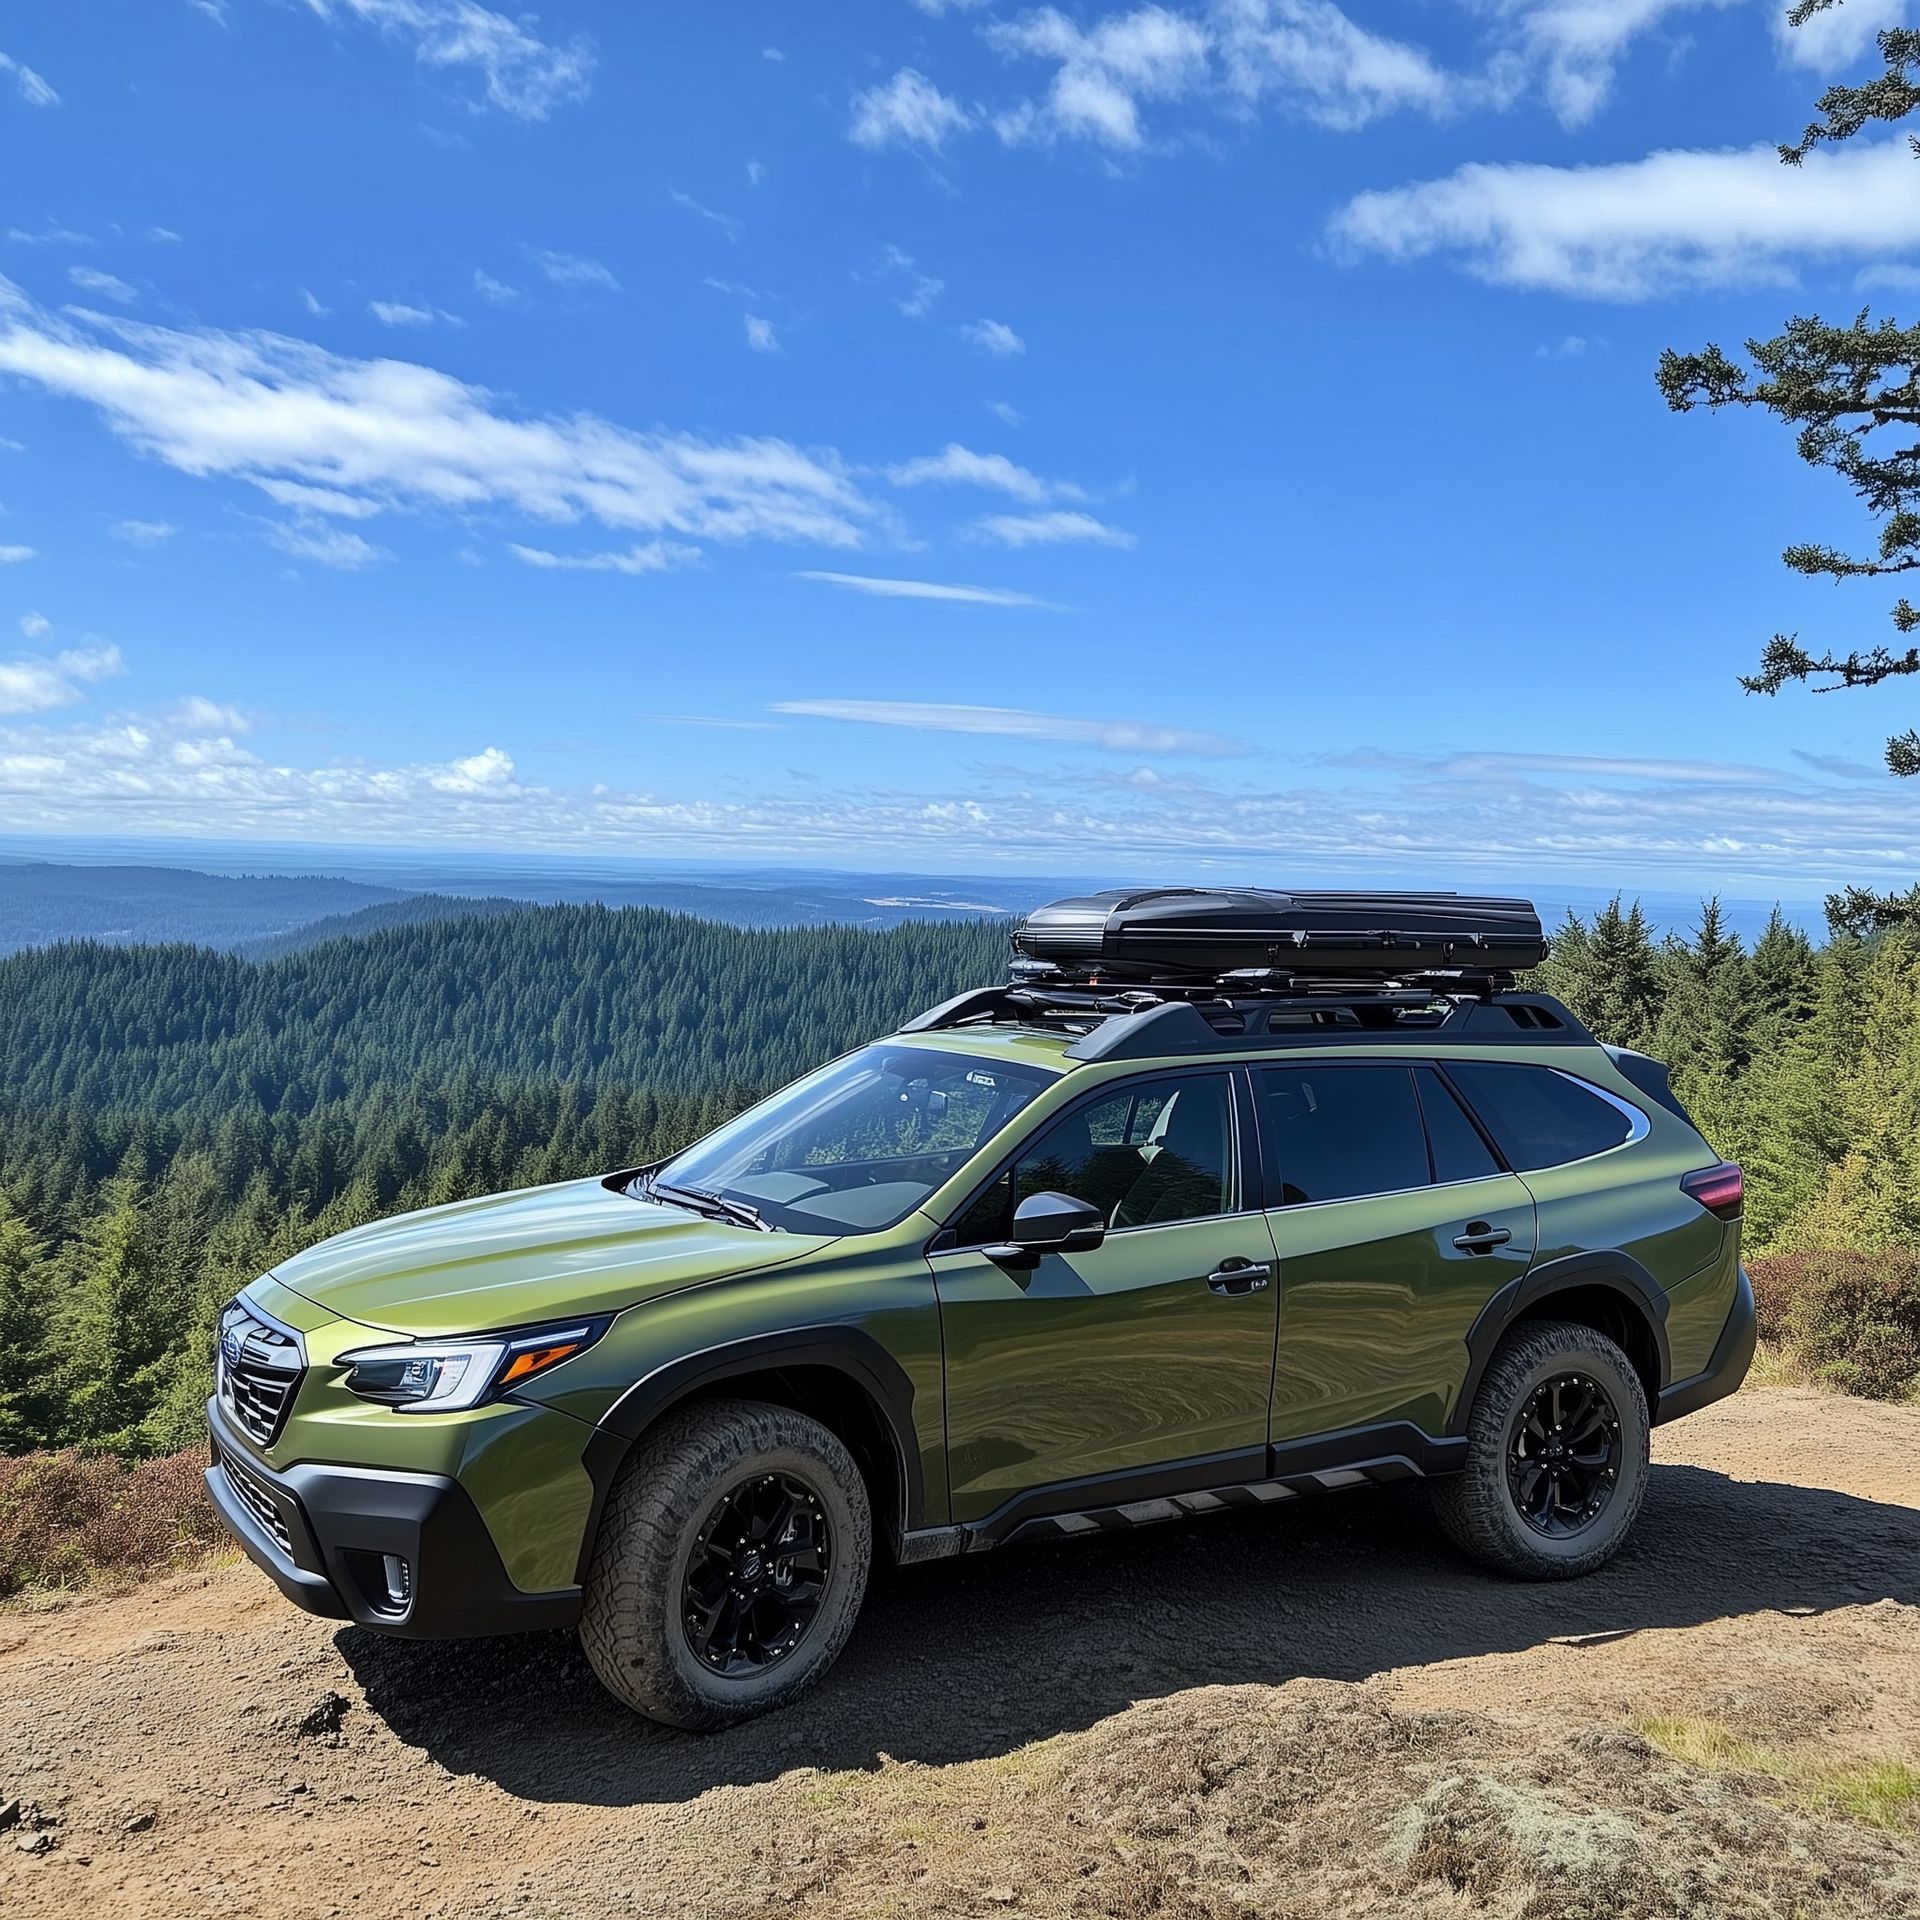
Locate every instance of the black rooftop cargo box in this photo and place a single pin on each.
(1199, 933)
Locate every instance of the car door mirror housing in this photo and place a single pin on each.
(1050, 1223)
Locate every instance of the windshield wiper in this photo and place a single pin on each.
(701, 1200)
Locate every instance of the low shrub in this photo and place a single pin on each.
(1846, 1320)
(68, 1518)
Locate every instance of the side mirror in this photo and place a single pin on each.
(1049, 1223)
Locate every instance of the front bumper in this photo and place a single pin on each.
(328, 1537)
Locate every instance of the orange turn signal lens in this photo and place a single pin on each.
(523, 1366)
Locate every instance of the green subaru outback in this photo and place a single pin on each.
(1197, 1214)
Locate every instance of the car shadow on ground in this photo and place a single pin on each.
(974, 1657)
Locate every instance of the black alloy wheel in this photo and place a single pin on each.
(757, 1574)
(1564, 1452)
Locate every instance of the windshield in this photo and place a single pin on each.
(860, 1144)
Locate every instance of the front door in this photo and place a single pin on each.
(1149, 1359)
(1395, 1224)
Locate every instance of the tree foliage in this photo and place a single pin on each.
(1853, 394)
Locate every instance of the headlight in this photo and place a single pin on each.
(444, 1376)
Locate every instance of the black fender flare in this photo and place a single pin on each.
(1618, 1273)
(856, 1355)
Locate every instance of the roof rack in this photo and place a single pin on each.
(1237, 1015)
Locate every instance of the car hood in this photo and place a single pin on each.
(514, 1259)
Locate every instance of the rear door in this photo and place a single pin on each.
(1146, 1360)
(1395, 1222)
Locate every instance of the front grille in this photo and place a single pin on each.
(258, 1369)
(257, 1501)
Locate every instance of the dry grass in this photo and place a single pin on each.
(1881, 1793)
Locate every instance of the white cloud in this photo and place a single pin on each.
(994, 337)
(92, 280)
(263, 408)
(755, 173)
(724, 221)
(324, 545)
(935, 8)
(202, 715)
(164, 236)
(394, 313)
(1059, 528)
(36, 626)
(1640, 228)
(923, 590)
(28, 84)
(49, 236)
(1901, 279)
(144, 533)
(1016, 723)
(1007, 415)
(760, 335)
(33, 685)
(1838, 36)
(960, 466)
(495, 292)
(521, 74)
(917, 291)
(909, 111)
(650, 556)
(1103, 72)
(573, 270)
(312, 304)
(772, 53)
(11, 556)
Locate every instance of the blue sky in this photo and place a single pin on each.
(932, 433)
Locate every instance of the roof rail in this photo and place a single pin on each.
(1139, 1023)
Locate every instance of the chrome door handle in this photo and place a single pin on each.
(1482, 1239)
(1238, 1276)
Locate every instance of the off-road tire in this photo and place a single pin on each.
(631, 1627)
(1476, 1506)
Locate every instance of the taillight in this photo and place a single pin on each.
(1719, 1189)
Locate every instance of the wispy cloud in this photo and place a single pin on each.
(496, 293)
(688, 204)
(312, 303)
(994, 337)
(36, 626)
(395, 313)
(1009, 416)
(11, 556)
(955, 465)
(325, 545)
(573, 270)
(914, 292)
(109, 285)
(144, 533)
(1641, 228)
(262, 408)
(519, 73)
(51, 235)
(906, 111)
(1059, 528)
(755, 173)
(27, 84)
(720, 722)
(1017, 723)
(924, 590)
(650, 556)
(34, 685)
(760, 335)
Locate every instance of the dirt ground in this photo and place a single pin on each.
(1315, 1711)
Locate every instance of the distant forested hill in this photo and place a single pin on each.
(42, 902)
(589, 995)
(416, 909)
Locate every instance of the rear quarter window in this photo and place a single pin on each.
(1540, 1117)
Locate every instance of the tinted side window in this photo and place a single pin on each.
(1332, 1132)
(1539, 1117)
(1459, 1153)
(1156, 1152)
